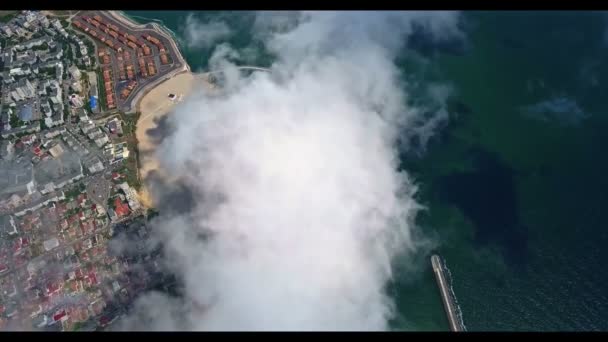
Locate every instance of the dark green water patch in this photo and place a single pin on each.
(422, 41)
(487, 197)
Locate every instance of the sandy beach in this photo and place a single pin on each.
(153, 106)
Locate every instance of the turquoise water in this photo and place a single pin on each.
(516, 184)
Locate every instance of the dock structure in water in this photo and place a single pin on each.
(449, 302)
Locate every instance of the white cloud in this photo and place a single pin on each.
(295, 181)
(204, 35)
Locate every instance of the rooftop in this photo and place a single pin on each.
(26, 113)
(14, 176)
(62, 168)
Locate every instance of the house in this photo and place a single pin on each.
(26, 113)
(46, 109)
(7, 148)
(121, 209)
(7, 31)
(60, 316)
(28, 139)
(40, 321)
(7, 225)
(74, 72)
(131, 195)
(51, 244)
(94, 165)
(77, 88)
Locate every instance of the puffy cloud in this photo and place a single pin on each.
(298, 209)
(204, 35)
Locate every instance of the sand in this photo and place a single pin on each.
(153, 106)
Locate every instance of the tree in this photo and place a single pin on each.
(5, 18)
(44, 46)
(15, 121)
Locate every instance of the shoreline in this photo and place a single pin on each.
(153, 107)
(153, 103)
(119, 16)
(180, 60)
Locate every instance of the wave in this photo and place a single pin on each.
(453, 294)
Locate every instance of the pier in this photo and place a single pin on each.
(446, 295)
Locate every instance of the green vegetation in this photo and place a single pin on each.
(19, 77)
(129, 122)
(101, 90)
(77, 326)
(61, 13)
(152, 213)
(77, 54)
(44, 46)
(111, 203)
(90, 47)
(15, 121)
(6, 16)
(87, 106)
(66, 114)
(129, 170)
(69, 53)
(72, 193)
(43, 125)
(37, 249)
(50, 72)
(71, 212)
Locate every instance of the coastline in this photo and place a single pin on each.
(154, 106)
(180, 60)
(120, 16)
(153, 103)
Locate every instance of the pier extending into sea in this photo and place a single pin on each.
(449, 302)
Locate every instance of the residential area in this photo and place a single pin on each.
(69, 184)
(130, 58)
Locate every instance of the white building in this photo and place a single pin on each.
(7, 31)
(74, 72)
(83, 48)
(50, 244)
(130, 195)
(77, 88)
(15, 96)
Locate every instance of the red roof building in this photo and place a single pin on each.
(92, 279)
(60, 315)
(121, 209)
(52, 288)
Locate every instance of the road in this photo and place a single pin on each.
(144, 84)
(98, 190)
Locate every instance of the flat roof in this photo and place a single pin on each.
(14, 176)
